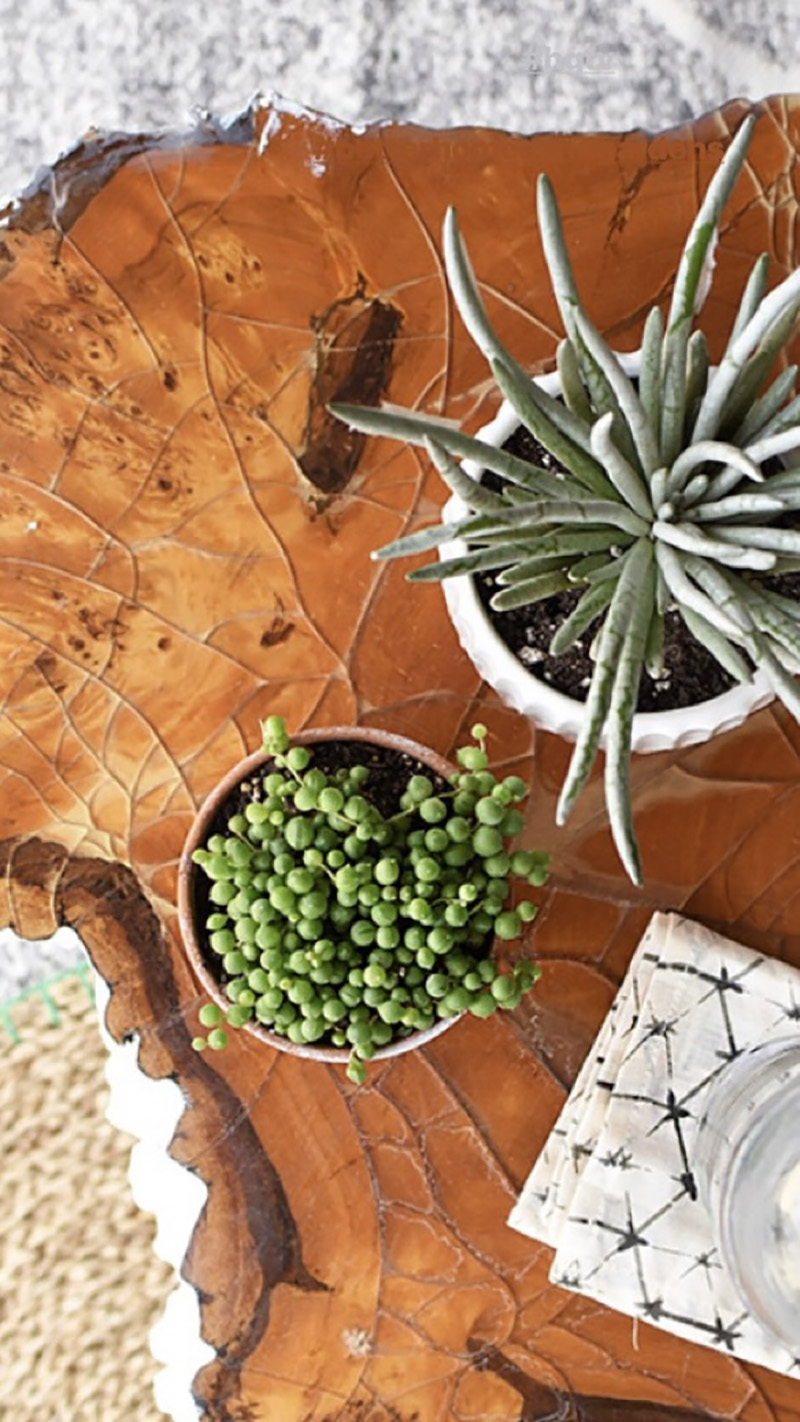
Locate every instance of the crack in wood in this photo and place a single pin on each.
(547, 1404)
(355, 340)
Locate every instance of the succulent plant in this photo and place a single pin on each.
(331, 923)
(670, 495)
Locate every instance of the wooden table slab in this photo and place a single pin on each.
(185, 546)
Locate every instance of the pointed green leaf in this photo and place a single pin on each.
(571, 384)
(532, 567)
(654, 649)
(529, 403)
(612, 635)
(650, 369)
(754, 372)
(753, 294)
(473, 493)
(427, 538)
(594, 601)
(709, 451)
(717, 543)
(532, 590)
(619, 723)
(673, 390)
(718, 645)
(480, 561)
(415, 428)
(697, 364)
(774, 308)
(763, 410)
(462, 282)
(693, 271)
(551, 234)
(628, 482)
(624, 393)
(673, 567)
(774, 445)
(782, 419)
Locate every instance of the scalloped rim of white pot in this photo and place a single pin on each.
(540, 703)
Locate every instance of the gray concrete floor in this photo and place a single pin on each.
(72, 65)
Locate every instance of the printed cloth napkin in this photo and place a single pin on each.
(614, 1191)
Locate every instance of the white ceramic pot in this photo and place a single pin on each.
(542, 704)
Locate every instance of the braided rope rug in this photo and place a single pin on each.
(80, 1286)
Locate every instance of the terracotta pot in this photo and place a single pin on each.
(554, 710)
(187, 871)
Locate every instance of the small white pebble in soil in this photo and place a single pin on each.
(586, 681)
(356, 1342)
(531, 655)
(32, 526)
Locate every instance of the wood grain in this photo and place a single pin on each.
(185, 542)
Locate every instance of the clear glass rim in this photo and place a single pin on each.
(745, 1117)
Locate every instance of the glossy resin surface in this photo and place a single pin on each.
(185, 537)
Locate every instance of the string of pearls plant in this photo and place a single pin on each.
(331, 923)
(667, 499)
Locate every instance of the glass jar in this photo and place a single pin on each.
(748, 1175)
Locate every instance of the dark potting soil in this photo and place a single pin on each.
(389, 773)
(690, 673)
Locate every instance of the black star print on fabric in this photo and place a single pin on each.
(722, 983)
(658, 1027)
(726, 1334)
(646, 1247)
(580, 1152)
(619, 1159)
(674, 1113)
(628, 1236)
(570, 1278)
(705, 1261)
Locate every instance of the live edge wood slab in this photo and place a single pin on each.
(185, 543)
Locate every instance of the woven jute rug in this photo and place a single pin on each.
(80, 1287)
